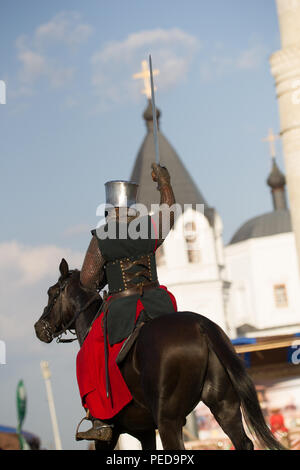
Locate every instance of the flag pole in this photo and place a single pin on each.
(47, 374)
(21, 412)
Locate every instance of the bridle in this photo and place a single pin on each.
(64, 328)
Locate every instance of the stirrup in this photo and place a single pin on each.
(103, 433)
(86, 418)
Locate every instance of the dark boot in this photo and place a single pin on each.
(99, 431)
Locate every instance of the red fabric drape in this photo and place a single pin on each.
(90, 368)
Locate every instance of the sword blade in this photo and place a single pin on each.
(155, 133)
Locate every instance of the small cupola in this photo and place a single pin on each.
(277, 182)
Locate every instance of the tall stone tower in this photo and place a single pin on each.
(285, 67)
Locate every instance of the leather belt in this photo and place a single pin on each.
(139, 289)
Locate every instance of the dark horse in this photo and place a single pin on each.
(177, 360)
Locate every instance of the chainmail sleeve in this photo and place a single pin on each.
(92, 274)
(164, 218)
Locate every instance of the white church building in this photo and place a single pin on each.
(249, 287)
(262, 266)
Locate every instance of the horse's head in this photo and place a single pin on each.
(59, 311)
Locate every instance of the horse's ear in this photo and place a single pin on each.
(64, 268)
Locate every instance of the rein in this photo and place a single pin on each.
(67, 327)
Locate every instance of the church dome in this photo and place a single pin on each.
(272, 223)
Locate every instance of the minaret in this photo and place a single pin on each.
(285, 67)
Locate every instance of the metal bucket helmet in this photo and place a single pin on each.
(122, 194)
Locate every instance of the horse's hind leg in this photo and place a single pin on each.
(173, 403)
(169, 418)
(172, 407)
(172, 377)
(229, 417)
(219, 395)
(147, 439)
(170, 432)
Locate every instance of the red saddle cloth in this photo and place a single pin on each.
(90, 368)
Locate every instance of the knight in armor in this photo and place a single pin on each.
(127, 264)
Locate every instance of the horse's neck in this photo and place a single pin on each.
(84, 320)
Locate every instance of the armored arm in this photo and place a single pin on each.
(165, 217)
(92, 274)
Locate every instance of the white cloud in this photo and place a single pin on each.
(145, 40)
(70, 102)
(220, 64)
(45, 53)
(114, 64)
(65, 27)
(33, 65)
(25, 265)
(252, 57)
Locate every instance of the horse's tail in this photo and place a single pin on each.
(242, 383)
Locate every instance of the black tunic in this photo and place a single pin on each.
(122, 311)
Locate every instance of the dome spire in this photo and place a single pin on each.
(184, 187)
(148, 116)
(271, 138)
(276, 179)
(145, 76)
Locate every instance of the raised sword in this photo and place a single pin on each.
(155, 132)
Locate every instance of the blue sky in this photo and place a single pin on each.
(73, 121)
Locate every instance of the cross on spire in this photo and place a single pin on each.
(145, 75)
(271, 138)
